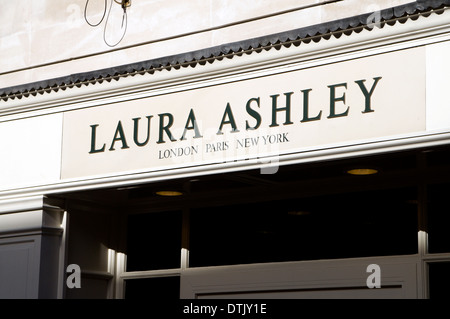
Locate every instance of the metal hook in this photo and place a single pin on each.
(124, 4)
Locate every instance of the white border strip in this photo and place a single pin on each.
(324, 154)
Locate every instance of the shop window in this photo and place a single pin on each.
(359, 224)
(439, 280)
(438, 157)
(151, 289)
(438, 210)
(154, 241)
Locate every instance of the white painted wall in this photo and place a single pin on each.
(437, 90)
(30, 151)
(49, 38)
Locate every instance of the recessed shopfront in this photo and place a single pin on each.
(314, 220)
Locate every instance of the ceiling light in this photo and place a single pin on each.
(299, 213)
(362, 171)
(169, 193)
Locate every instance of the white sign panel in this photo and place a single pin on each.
(367, 98)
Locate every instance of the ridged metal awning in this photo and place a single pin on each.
(301, 36)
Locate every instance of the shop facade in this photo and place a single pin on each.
(301, 152)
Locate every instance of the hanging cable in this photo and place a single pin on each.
(124, 4)
(85, 14)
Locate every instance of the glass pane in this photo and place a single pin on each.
(438, 218)
(154, 241)
(439, 280)
(360, 224)
(161, 288)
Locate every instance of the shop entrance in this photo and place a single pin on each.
(307, 231)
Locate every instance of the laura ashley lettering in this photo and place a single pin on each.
(282, 106)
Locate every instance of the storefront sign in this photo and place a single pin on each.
(362, 99)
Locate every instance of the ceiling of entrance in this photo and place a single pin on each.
(302, 180)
